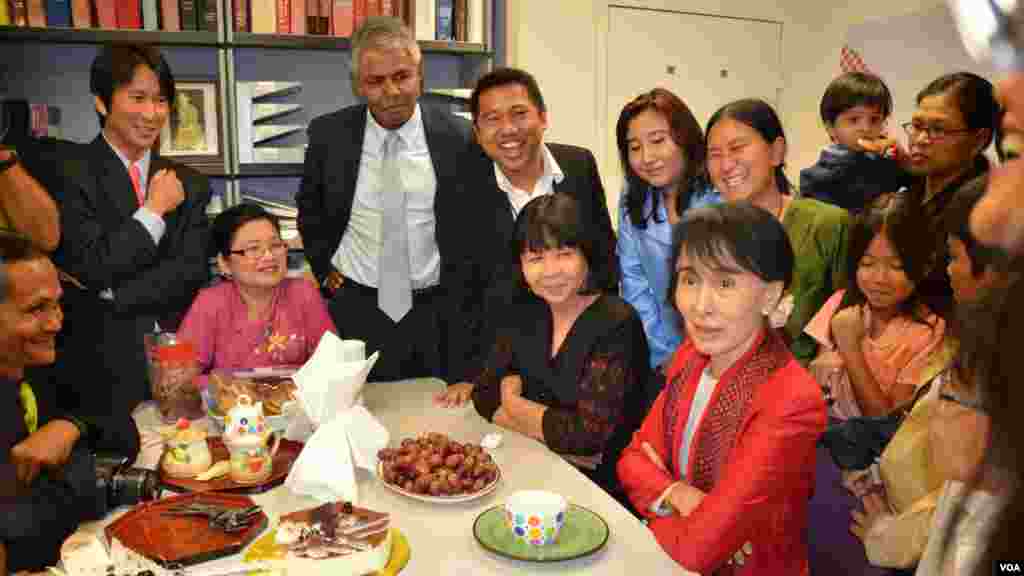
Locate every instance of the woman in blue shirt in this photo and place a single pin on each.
(661, 147)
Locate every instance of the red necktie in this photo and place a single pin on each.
(136, 176)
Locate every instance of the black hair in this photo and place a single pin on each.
(854, 89)
(760, 116)
(740, 232)
(893, 215)
(14, 248)
(553, 221)
(503, 77)
(227, 223)
(115, 66)
(974, 97)
(686, 134)
(956, 218)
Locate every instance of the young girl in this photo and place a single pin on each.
(879, 343)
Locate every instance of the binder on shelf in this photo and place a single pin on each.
(58, 13)
(342, 17)
(459, 21)
(360, 11)
(5, 13)
(323, 12)
(444, 20)
(264, 16)
(189, 17)
(284, 17)
(475, 24)
(129, 14)
(19, 12)
(150, 19)
(208, 16)
(241, 19)
(312, 16)
(81, 14)
(36, 14)
(169, 16)
(426, 19)
(298, 12)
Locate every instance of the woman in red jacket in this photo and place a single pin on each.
(723, 465)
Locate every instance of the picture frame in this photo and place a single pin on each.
(196, 139)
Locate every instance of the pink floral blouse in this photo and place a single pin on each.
(218, 325)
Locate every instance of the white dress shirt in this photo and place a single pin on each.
(358, 252)
(545, 185)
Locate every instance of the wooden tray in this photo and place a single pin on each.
(177, 541)
(287, 452)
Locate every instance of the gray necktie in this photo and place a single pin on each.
(394, 287)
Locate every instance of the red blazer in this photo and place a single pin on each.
(761, 495)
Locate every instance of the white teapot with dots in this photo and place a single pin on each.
(246, 436)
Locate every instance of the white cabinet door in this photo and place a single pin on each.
(707, 61)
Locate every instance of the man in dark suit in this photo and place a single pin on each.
(369, 205)
(511, 166)
(134, 233)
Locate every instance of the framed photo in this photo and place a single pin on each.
(196, 139)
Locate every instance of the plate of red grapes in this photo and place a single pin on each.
(435, 468)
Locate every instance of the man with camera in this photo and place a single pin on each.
(49, 481)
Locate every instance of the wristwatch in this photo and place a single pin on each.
(10, 161)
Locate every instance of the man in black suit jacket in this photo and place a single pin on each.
(348, 182)
(511, 166)
(134, 234)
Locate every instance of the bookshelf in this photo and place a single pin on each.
(51, 65)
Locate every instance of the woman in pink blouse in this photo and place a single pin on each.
(256, 317)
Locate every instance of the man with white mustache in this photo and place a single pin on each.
(134, 234)
(511, 166)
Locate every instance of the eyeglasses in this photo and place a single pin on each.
(256, 252)
(934, 133)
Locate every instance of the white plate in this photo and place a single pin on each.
(441, 499)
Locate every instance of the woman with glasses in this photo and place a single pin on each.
(953, 124)
(256, 317)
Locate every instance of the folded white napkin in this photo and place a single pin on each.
(343, 434)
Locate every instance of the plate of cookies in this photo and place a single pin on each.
(273, 387)
(435, 468)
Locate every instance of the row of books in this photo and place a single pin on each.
(171, 15)
(449, 20)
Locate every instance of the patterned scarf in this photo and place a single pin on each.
(729, 406)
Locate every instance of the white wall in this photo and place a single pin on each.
(563, 43)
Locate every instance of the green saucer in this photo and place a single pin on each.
(583, 533)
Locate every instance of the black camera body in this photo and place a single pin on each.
(118, 484)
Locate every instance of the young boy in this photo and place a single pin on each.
(973, 268)
(854, 109)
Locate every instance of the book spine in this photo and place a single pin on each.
(58, 13)
(19, 13)
(312, 16)
(150, 15)
(342, 17)
(264, 16)
(81, 13)
(444, 20)
(5, 13)
(106, 14)
(360, 11)
(129, 14)
(169, 16)
(323, 13)
(240, 15)
(209, 15)
(284, 17)
(475, 24)
(36, 14)
(188, 14)
(298, 10)
(426, 19)
(459, 21)
(387, 8)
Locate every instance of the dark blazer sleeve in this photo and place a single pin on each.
(310, 201)
(183, 263)
(99, 256)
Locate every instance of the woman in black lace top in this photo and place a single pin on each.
(569, 370)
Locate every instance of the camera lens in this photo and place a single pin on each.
(130, 486)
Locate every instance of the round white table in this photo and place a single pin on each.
(440, 536)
